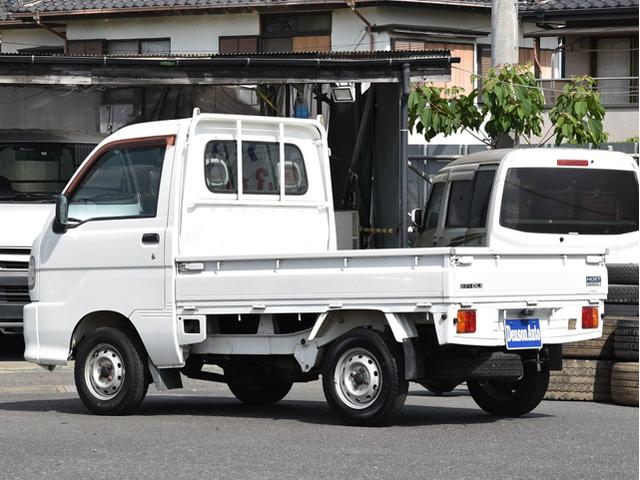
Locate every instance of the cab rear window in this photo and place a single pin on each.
(570, 200)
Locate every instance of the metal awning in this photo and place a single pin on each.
(372, 67)
(617, 31)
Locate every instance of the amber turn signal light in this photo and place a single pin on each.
(590, 317)
(466, 321)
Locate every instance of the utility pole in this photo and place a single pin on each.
(504, 32)
(504, 44)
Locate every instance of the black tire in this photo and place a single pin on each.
(123, 379)
(626, 339)
(624, 383)
(582, 380)
(623, 274)
(511, 399)
(622, 294)
(375, 362)
(617, 309)
(260, 391)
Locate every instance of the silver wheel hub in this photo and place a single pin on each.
(357, 378)
(104, 371)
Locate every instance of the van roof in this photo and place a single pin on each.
(499, 155)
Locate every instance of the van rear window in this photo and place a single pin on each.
(570, 200)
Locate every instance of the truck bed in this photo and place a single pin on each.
(434, 281)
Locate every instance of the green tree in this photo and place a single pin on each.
(512, 105)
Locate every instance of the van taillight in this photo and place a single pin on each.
(573, 163)
(590, 317)
(466, 321)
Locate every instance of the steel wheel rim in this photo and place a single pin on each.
(357, 378)
(104, 371)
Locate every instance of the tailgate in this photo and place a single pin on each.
(546, 289)
(532, 277)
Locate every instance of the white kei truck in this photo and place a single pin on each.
(211, 241)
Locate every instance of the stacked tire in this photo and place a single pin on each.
(623, 301)
(605, 369)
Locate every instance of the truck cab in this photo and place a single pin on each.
(34, 167)
(544, 197)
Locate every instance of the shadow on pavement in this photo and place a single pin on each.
(305, 411)
(11, 347)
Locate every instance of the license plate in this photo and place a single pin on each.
(523, 334)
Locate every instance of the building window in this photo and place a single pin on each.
(525, 56)
(229, 45)
(296, 33)
(86, 47)
(147, 46)
(460, 73)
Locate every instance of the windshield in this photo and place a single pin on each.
(36, 172)
(570, 200)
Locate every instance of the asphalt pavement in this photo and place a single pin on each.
(202, 431)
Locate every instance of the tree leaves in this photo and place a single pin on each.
(512, 104)
(578, 114)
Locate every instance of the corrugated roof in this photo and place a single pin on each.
(95, 6)
(534, 6)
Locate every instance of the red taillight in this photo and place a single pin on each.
(466, 321)
(573, 163)
(590, 317)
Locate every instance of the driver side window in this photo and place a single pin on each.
(123, 183)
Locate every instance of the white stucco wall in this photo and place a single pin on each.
(188, 34)
(17, 39)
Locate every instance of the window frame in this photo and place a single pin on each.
(239, 190)
(86, 168)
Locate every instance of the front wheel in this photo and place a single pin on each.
(363, 378)
(110, 372)
(512, 399)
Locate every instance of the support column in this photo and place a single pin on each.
(403, 154)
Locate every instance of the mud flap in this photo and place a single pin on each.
(413, 358)
(165, 379)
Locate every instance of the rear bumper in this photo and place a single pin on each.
(560, 322)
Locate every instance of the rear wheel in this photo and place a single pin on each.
(363, 379)
(110, 372)
(512, 399)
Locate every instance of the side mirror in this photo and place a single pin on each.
(60, 223)
(416, 217)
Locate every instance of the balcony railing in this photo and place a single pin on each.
(614, 91)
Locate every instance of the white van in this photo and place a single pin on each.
(544, 197)
(34, 166)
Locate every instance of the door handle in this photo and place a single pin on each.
(150, 238)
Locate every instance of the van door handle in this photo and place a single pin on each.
(150, 238)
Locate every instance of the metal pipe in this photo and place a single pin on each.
(403, 153)
(36, 18)
(368, 24)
